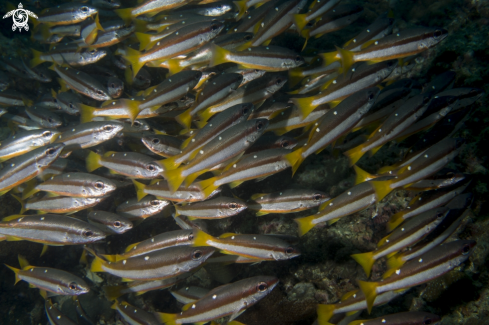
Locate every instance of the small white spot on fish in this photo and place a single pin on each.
(124, 262)
(376, 43)
(426, 156)
(380, 130)
(254, 238)
(276, 9)
(146, 258)
(397, 34)
(398, 272)
(409, 167)
(220, 138)
(232, 237)
(331, 204)
(383, 320)
(317, 130)
(402, 229)
(420, 260)
(255, 156)
(201, 152)
(368, 30)
(354, 41)
(42, 218)
(193, 140)
(158, 44)
(335, 113)
(193, 306)
(12, 165)
(58, 317)
(214, 296)
(45, 271)
(387, 240)
(234, 165)
(334, 81)
(31, 270)
(349, 193)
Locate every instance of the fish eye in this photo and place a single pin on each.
(41, 75)
(100, 92)
(117, 224)
(156, 141)
(279, 81)
(219, 6)
(151, 167)
(245, 111)
(427, 321)
(88, 233)
(51, 151)
(112, 85)
(55, 100)
(233, 206)
(47, 134)
(137, 123)
(466, 250)
(289, 250)
(285, 144)
(262, 286)
(71, 105)
(191, 237)
(154, 202)
(108, 128)
(72, 285)
(248, 37)
(99, 184)
(50, 120)
(298, 59)
(259, 125)
(197, 255)
(473, 92)
(92, 51)
(317, 197)
(439, 215)
(84, 9)
(437, 33)
(371, 96)
(214, 27)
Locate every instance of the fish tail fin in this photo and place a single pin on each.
(362, 176)
(169, 163)
(305, 34)
(145, 42)
(174, 178)
(300, 21)
(202, 239)
(369, 289)
(385, 169)
(218, 56)
(325, 312)
(382, 188)
(242, 7)
(366, 260)
(191, 178)
(347, 58)
(139, 189)
(185, 119)
(132, 56)
(395, 262)
(83, 258)
(174, 66)
(22, 203)
(189, 139)
(395, 220)
(354, 154)
(125, 14)
(36, 58)
(207, 186)
(295, 76)
(30, 189)
(112, 292)
(205, 115)
(93, 161)
(167, 319)
(86, 113)
(16, 271)
(305, 105)
(44, 250)
(305, 224)
(295, 159)
(97, 264)
(244, 46)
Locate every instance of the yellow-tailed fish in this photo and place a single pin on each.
(139, 210)
(217, 208)
(110, 223)
(160, 189)
(130, 164)
(286, 201)
(26, 141)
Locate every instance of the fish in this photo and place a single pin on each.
(428, 164)
(146, 207)
(443, 81)
(66, 14)
(50, 229)
(334, 124)
(55, 317)
(59, 204)
(256, 165)
(25, 142)
(108, 38)
(43, 117)
(252, 18)
(162, 144)
(161, 264)
(151, 7)
(71, 56)
(409, 317)
(267, 58)
(134, 315)
(351, 302)
(229, 299)
(73, 184)
(27, 166)
(429, 266)
(397, 122)
(406, 42)
(12, 97)
(83, 83)
(68, 102)
(183, 41)
(359, 77)
(190, 294)
(229, 144)
(131, 164)
(286, 201)
(161, 189)
(382, 26)
(459, 206)
(217, 208)
(123, 108)
(269, 141)
(111, 223)
(54, 281)
(89, 134)
(315, 11)
(89, 30)
(291, 118)
(406, 235)
(162, 241)
(213, 92)
(427, 200)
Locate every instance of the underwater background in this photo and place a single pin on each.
(324, 271)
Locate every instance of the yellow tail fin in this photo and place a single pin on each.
(207, 186)
(93, 161)
(202, 239)
(86, 113)
(305, 105)
(362, 176)
(36, 58)
(395, 220)
(305, 224)
(300, 21)
(30, 189)
(242, 7)
(132, 56)
(369, 289)
(97, 265)
(295, 76)
(219, 56)
(354, 154)
(185, 119)
(169, 163)
(145, 41)
(22, 203)
(113, 292)
(366, 260)
(347, 59)
(395, 262)
(16, 271)
(295, 159)
(382, 188)
(23, 262)
(174, 66)
(325, 312)
(167, 319)
(139, 189)
(125, 14)
(174, 178)
(205, 115)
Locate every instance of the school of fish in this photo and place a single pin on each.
(228, 107)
